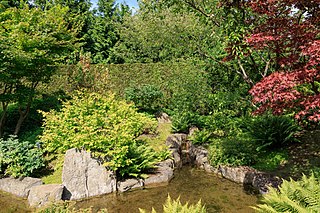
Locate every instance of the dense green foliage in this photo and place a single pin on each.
(105, 126)
(293, 196)
(269, 131)
(184, 85)
(232, 151)
(175, 206)
(147, 97)
(19, 158)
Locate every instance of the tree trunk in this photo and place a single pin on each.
(23, 116)
(3, 118)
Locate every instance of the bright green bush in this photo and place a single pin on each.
(147, 98)
(293, 196)
(19, 158)
(103, 125)
(175, 206)
(270, 131)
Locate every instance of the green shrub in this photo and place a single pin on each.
(182, 121)
(103, 125)
(270, 161)
(232, 151)
(270, 131)
(147, 98)
(293, 196)
(19, 158)
(175, 206)
(201, 137)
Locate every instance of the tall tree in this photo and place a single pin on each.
(103, 33)
(160, 35)
(32, 43)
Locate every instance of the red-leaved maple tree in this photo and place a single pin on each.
(290, 33)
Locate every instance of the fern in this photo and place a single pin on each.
(293, 196)
(175, 206)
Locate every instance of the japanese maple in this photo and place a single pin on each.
(290, 33)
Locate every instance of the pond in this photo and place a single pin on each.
(218, 194)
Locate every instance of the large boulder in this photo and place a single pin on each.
(162, 175)
(241, 174)
(174, 143)
(20, 187)
(201, 159)
(45, 194)
(84, 176)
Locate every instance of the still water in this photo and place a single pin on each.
(218, 195)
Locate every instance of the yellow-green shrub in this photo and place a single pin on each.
(175, 206)
(103, 125)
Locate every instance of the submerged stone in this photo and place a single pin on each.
(45, 194)
(19, 186)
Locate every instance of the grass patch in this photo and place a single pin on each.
(55, 175)
(157, 142)
(54, 178)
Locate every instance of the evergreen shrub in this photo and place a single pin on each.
(147, 97)
(107, 127)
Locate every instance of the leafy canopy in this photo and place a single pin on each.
(32, 43)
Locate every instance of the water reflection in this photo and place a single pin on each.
(219, 195)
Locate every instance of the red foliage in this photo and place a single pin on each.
(291, 33)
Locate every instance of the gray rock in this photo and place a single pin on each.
(84, 176)
(167, 163)
(175, 140)
(20, 186)
(161, 176)
(129, 184)
(201, 157)
(262, 182)
(163, 118)
(241, 174)
(45, 194)
(192, 130)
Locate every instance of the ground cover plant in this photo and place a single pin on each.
(20, 158)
